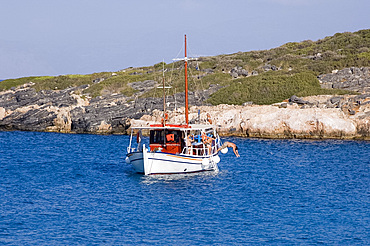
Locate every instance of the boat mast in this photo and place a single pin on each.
(186, 88)
(164, 100)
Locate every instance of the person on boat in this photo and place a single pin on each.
(189, 141)
(209, 118)
(207, 140)
(231, 145)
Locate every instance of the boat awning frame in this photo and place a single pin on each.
(191, 127)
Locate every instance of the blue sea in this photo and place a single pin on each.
(65, 189)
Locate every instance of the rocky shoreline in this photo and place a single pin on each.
(318, 118)
(315, 117)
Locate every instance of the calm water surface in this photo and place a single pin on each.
(77, 189)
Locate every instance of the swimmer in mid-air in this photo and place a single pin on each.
(231, 145)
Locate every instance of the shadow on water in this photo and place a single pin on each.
(197, 177)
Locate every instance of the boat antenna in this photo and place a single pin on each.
(174, 96)
(164, 98)
(186, 88)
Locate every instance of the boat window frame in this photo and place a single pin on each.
(159, 136)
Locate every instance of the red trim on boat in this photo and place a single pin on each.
(171, 125)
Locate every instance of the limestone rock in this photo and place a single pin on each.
(269, 121)
(324, 116)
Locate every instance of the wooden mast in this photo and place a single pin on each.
(186, 88)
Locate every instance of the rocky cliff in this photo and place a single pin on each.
(24, 108)
(346, 117)
(316, 117)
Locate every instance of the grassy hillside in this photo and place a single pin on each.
(269, 88)
(298, 65)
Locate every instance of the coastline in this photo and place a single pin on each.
(276, 122)
(65, 111)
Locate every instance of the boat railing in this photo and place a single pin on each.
(200, 150)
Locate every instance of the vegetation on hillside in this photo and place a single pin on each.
(269, 88)
(334, 52)
(298, 65)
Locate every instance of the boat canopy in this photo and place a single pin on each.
(175, 127)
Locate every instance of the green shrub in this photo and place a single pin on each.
(159, 65)
(269, 88)
(9, 83)
(299, 65)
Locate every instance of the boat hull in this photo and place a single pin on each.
(151, 163)
(136, 159)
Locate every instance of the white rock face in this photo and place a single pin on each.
(324, 116)
(274, 122)
(2, 113)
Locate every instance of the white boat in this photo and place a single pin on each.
(175, 149)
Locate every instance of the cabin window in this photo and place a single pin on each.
(157, 136)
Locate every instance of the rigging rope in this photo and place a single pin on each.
(179, 72)
(199, 77)
(182, 48)
(195, 88)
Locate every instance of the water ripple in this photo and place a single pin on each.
(77, 189)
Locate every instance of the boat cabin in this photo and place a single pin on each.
(177, 139)
(166, 140)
